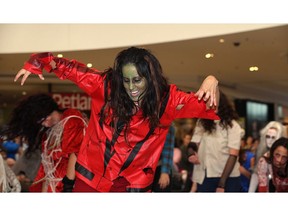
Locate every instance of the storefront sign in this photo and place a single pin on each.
(79, 101)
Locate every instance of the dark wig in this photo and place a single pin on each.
(148, 67)
(226, 112)
(26, 119)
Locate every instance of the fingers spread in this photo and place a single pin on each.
(41, 76)
(25, 76)
(200, 94)
(207, 96)
(20, 73)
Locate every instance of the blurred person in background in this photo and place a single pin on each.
(59, 134)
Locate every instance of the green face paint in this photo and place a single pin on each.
(134, 85)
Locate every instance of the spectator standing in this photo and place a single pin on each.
(216, 166)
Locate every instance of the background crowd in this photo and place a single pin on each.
(21, 169)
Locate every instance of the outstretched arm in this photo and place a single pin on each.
(88, 79)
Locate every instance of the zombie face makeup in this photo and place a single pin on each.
(280, 156)
(271, 136)
(134, 84)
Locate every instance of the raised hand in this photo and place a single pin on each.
(25, 74)
(35, 65)
(208, 91)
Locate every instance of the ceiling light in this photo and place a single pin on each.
(60, 56)
(209, 55)
(221, 40)
(89, 65)
(253, 68)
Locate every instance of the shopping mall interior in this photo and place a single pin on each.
(249, 60)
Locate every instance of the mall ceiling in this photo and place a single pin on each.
(184, 64)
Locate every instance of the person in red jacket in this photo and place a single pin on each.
(132, 108)
(59, 133)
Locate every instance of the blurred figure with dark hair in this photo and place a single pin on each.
(59, 134)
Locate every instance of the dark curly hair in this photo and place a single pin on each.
(119, 101)
(26, 116)
(226, 112)
(279, 142)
